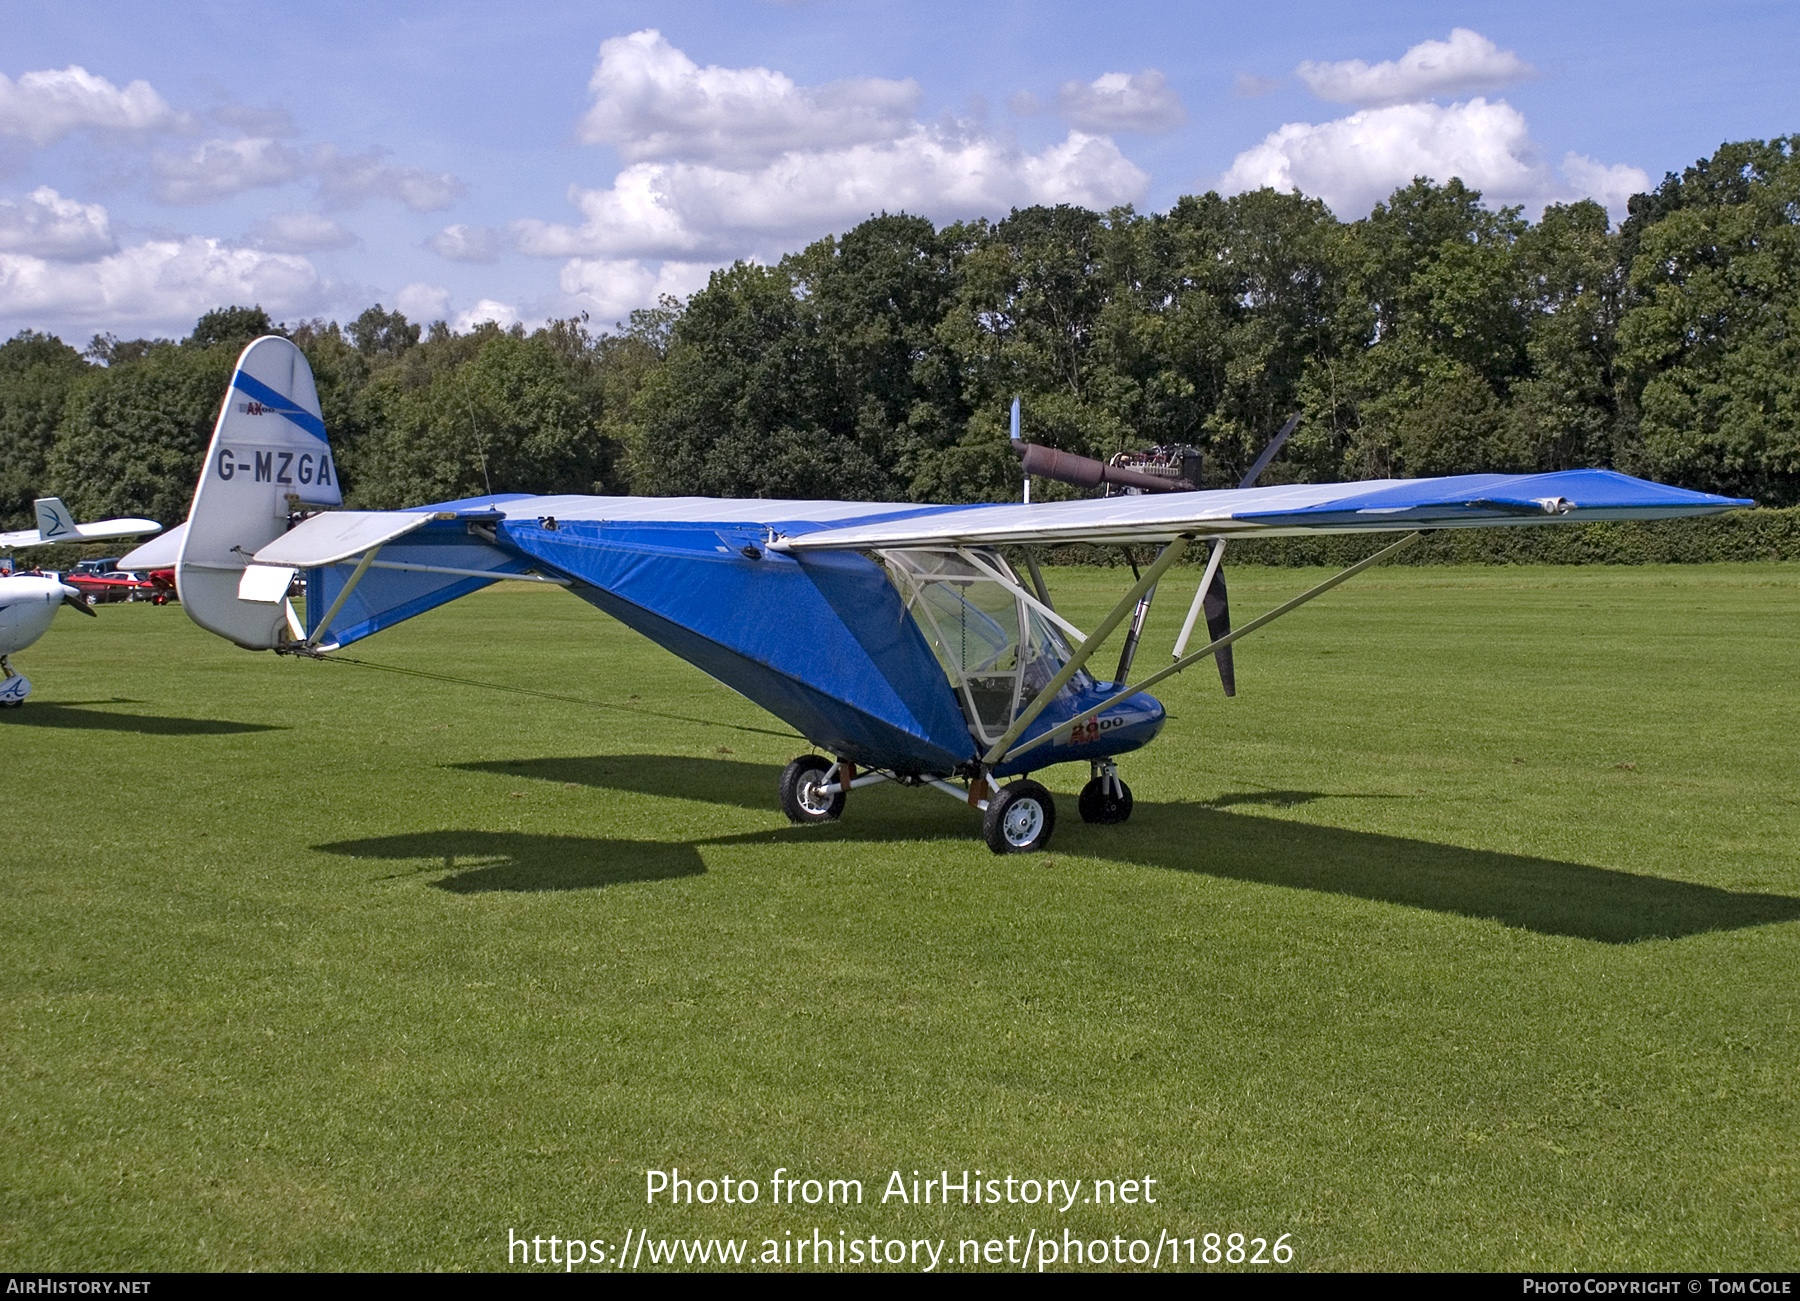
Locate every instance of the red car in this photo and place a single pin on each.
(114, 585)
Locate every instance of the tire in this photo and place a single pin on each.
(800, 797)
(1101, 805)
(1019, 819)
(91, 599)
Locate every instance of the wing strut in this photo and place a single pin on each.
(1211, 595)
(1193, 614)
(1127, 603)
(344, 595)
(1213, 648)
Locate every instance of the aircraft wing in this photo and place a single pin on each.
(1462, 501)
(95, 532)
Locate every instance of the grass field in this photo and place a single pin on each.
(1466, 937)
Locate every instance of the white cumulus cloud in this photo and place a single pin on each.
(348, 179)
(423, 303)
(45, 106)
(45, 225)
(1357, 161)
(687, 211)
(461, 243)
(728, 163)
(652, 101)
(1466, 63)
(161, 283)
(217, 169)
(1120, 101)
(255, 121)
(502, 314)
(1609, 186)
(610, 290)
(300, 232)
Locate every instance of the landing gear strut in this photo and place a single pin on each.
(1106, 799)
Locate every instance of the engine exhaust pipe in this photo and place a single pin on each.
(1086, 472)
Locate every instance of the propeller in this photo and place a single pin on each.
(1212, 599)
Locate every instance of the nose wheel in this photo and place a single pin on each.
(1106, 799)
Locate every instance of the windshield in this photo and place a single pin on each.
(995, 647)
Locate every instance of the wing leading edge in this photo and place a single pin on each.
(1463, 501)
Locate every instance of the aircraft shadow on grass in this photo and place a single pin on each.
(1536, 894)
(74, 714)
(528, 862)
(716, 781)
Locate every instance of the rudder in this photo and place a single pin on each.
(268, 458)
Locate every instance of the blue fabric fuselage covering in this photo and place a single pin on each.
(823, 643)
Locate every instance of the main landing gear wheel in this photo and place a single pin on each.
(1019, 819)
(801, 798)
(1105, 800)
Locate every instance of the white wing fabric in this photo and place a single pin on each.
(1463, 501)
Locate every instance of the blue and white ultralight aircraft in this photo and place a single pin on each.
(896, 637)
(28, 602)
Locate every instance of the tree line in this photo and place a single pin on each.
(1434, 336)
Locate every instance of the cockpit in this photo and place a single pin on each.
(997, 644)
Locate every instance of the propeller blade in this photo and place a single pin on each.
(1268, 453)
(1217, 609)
(76, 603)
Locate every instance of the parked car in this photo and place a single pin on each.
(114, 585)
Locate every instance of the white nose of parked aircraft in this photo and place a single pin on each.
(27, 605)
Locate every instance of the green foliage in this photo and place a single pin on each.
(382, 334)
(820, 377)
(229, 327)
(1711, 349)
(132, 436)
(36, 373)
(490, 411)
(1742, 536)
(1432, 311)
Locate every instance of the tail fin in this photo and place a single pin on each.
(55, 523)
(269, 457)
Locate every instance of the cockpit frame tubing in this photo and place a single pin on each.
(1170, 554)
(917, 606)
(1011, 584)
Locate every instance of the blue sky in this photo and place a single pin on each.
(466, 161)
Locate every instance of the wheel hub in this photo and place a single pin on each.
(812, 799)
(1023, 821)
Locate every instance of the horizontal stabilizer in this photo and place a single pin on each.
(158, 553)
(338, 535)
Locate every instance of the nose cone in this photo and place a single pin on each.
(1142, 717)
(66, 593)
